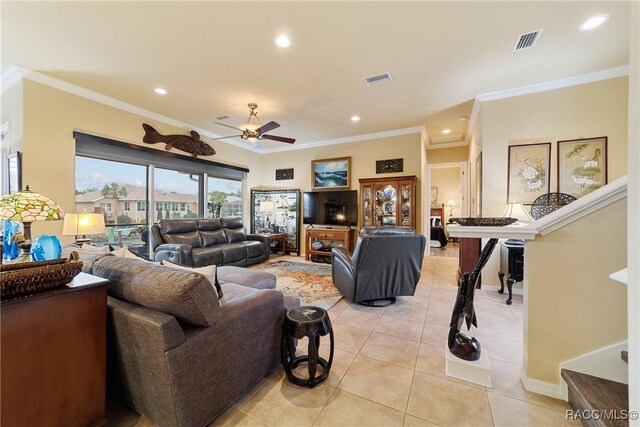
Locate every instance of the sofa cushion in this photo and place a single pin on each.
(233, 292)
(180, 231)
(207, 256)
(232, 252)
(209, 271)
(243, 276)
(254, 249)
(187, 296)
(233, 229)
(211, 232)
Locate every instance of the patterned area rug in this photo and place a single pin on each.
(312, 283)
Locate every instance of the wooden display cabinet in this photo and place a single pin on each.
(333, 235)
(388, 201)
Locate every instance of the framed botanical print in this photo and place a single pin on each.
(331, 174)
(434, 196)
(582, 165)
(528, 172)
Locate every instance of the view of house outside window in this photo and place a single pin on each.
(225, 198)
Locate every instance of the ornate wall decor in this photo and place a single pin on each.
(390, 166)
(189, 144)
(277, 211)
(284, 174)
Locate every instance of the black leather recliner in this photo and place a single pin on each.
(200, 242)
(385, 264)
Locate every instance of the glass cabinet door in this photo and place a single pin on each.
(367, 206)
(386, 204)
(406, 197)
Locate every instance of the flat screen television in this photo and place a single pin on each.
(330, 207)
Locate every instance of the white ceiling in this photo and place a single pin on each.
(215, 57)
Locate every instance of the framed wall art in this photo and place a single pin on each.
(284, 174)
(14, 167)
(331, 174)
(582, 165)
(390, 166)
(434, 196)
(528, 172)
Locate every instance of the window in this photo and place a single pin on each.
(225, 198)
(141, 206)
(127, 208)
(172, 187)
(106, 207)
(183, 207)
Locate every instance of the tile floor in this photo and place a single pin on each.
(388, 369)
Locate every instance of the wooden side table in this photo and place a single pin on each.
(515, 266)
(278, 236)
(54, 356)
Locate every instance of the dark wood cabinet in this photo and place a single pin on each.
(54, 357)
(469, 253)
(515, 266)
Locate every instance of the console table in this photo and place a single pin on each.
(54, 356)
(515, 266)
(344, 235)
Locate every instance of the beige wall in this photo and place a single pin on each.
(448, 182)
(12, 113)
(572, 306)
(363, 164)
(51, 116)
(588, 110)
(448, 155)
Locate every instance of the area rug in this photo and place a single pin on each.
(312, 283)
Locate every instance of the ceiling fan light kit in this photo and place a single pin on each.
(254, 132)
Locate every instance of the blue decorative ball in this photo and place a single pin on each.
(45, 248)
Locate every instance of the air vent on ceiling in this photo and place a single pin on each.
(223, 117)
(378, 79)
(527, 40)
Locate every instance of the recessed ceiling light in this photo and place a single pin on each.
(283, 41)
(594, 22)
(355, 118)
(462, 118)
(446, 131)
(160, 91)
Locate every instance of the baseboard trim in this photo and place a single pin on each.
(514, 291)
(541, 387)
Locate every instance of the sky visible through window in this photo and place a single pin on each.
(95, 173)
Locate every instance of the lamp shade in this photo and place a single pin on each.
(267, 206)
(516, 210)
(27, 206)
(76, 224)
(451, 203)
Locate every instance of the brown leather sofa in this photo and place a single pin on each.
(200, 242)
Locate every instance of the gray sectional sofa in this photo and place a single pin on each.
(200, 242)
(176, 353)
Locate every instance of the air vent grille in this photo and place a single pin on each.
(378, 79)
(527, 40)
(223, 117)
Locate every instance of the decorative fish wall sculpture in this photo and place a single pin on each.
(188, 144)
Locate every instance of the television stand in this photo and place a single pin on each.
(329, 238)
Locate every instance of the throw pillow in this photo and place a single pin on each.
(124, 252)
(210, 272)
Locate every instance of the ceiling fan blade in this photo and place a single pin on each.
(230, 136)
(279, 138)
(267, 127)
(224, 124)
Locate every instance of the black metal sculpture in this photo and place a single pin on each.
(462, 345)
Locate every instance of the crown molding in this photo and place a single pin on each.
(610, 73)
(121, 105)
(355, 138)
(10, 77)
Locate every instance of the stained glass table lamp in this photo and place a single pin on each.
(27, 207)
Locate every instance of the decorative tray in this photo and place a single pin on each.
(485, 222)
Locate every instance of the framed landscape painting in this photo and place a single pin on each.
(582, 165)
(331, 174)
(528, 172)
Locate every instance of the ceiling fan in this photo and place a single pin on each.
(254, 131)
